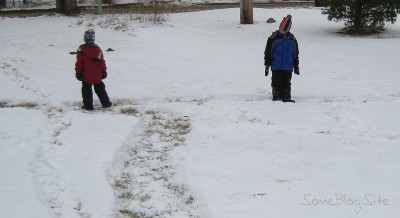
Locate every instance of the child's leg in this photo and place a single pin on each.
(286, 85)
(100, 89)
(276, 85)
(87, 96)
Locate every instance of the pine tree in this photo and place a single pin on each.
(361, 16)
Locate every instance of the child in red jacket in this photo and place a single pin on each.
(90, 68)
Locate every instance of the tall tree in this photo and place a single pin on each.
(67, 6)
(361, 16)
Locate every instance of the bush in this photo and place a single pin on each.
(361, 16)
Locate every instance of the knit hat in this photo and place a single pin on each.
(89, 36)
(286, 24)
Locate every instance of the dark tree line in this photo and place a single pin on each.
(62, 6)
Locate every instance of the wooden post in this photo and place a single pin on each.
(99, 10)
(246, 11)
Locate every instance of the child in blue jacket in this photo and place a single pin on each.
(282, 56)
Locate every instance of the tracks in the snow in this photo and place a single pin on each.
(144, 181)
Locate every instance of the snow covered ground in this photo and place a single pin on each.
(193, 132)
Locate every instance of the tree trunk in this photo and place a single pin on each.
(3, 4)
(358, 19)
(67, 6)
(246, 11)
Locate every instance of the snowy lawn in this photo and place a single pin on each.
(193, 131)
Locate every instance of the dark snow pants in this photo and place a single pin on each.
(281, 85)
(87, 95)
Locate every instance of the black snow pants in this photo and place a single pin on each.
(87, 95)
(281, 85)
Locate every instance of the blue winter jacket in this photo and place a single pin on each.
(282, 52)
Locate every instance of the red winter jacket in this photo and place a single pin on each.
(90, 63)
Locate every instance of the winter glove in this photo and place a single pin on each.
(104, 75)
(296, 71)
(266, 70)
(79, 76)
